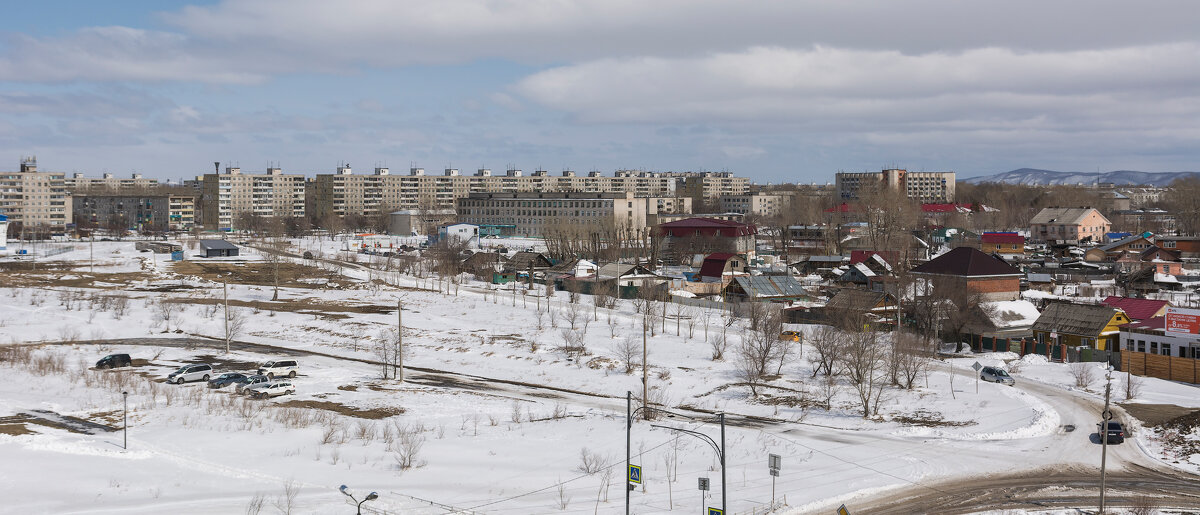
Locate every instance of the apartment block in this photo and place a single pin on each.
(758, 204)
(30, 198)
(150, 212)
(228, 195)
(932, 187)
(77, 183)
(344, 193)
(533, 214)
(708, 187)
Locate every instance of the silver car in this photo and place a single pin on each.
(190, 373)
(996, 375)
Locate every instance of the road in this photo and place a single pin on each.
(1074, 482)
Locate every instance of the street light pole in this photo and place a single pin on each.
(125, 420)
(1104, 418)
(628, 429)
(723, 481)
(358, 507)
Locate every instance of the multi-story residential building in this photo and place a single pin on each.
(759, 204)
(149, 212)
(32, 199)
(920, 186)
(1068, 225)
(344, 193)
(533, 214)
(228, 195)
(77, 183)
(707, 187)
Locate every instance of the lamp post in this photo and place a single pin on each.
(125, 420)
(718, 447)
(358, 507)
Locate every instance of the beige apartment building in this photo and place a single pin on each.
(344, 193)
(149, 212)
(758, 204)
(77, 183)
(925, 187)
(1068, 225)
(226, 196)
(35, 199)
(532, 214)
(708, 187)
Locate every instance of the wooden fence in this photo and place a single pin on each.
(1162, 367)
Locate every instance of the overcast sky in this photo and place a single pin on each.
(777, 91)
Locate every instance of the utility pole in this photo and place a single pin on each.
(225, 287)
(645, 371)
(125, 421)
(628, 428)
(400, 342)
(1104, 418)
(723, 481)
(92, 253)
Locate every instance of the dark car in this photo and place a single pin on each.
(227, 379)
(1116, 432)
(114, 361)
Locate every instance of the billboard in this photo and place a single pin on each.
(1182, 322)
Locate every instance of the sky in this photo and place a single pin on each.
(775, 91)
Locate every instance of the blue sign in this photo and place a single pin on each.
(715, 511)
(635, 474)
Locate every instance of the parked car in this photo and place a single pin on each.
(996, 375)
(227, 379)
(1115, 433)
(114, 361)
(250, 381)
(279, 368)
(272, 389)
(190, 373)
(790, 336)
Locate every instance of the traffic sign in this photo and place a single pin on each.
(635, 474)
(976, 366)
(842, 510)
(716, 511)
(1107, 414)
(774, 462)
(704, 483)
(1053, 334)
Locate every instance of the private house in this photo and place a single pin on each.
(807, 239)
(626, 274)
(573, 268)
(1040, 282)
(486, 266)
(1188, 247)
(872, 273)
(1137, 309)
(999, 324)
(1068, 225)
(1004, 243)
(1112, 251)
(816, 264)
(1161, 261)
(721, 267)
(217, 248)
(772, 288)
(525, 262)
(1080, 325)
(855, 302)
(967, 269)
(700, 235)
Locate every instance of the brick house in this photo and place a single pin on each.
(1162, 261)
(1111, 251)
(1186, 246)
(971, 270)
(1068, 225)
(1002, 243)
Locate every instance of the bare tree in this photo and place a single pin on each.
(907, 358)
(1083, 374)
(235, 323)
(827, 343)
(862, 360)
(391, 351)
(628, 351)
(165, 309)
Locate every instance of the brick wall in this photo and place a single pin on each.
(996, 288)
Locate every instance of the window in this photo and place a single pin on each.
(1153, 347)
(1141, 346)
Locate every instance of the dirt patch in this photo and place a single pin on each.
(16, 429)
(307, 305)
(925, 418)
(65, 275)
(348, 388)
(351, 411)
(1157, 414)
(291, 275)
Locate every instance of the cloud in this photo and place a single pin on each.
(826, 88)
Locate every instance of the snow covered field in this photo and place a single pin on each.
(493, 416)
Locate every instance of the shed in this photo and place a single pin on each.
(217, 248)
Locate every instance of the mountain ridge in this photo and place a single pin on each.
(1035, 176)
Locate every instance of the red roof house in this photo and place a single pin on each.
(1137, 309)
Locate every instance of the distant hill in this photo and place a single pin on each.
(1031, 176)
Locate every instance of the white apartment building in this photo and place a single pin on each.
(925, 187)
(533, 214)
(228, 195)
(35, 199)
(77, 182)
(759, 204)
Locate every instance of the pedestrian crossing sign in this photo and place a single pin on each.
(715, 511)
(635, 474)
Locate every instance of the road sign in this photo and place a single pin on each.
(774, 462)
(1107, 414)
(635, 474)
(716, 511)
(842, 510)
(704, 483)
(976, 366)
(1053, 334)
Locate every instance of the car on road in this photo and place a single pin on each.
(227, 379)
(279, 368)
(272, 389)
(251, 380)
(187, 373)
(1115, 433)
(996, 375)
(114, 361)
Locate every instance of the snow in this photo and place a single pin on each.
(1015, 313)
(197, 451)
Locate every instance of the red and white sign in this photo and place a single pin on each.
(1183, 321)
